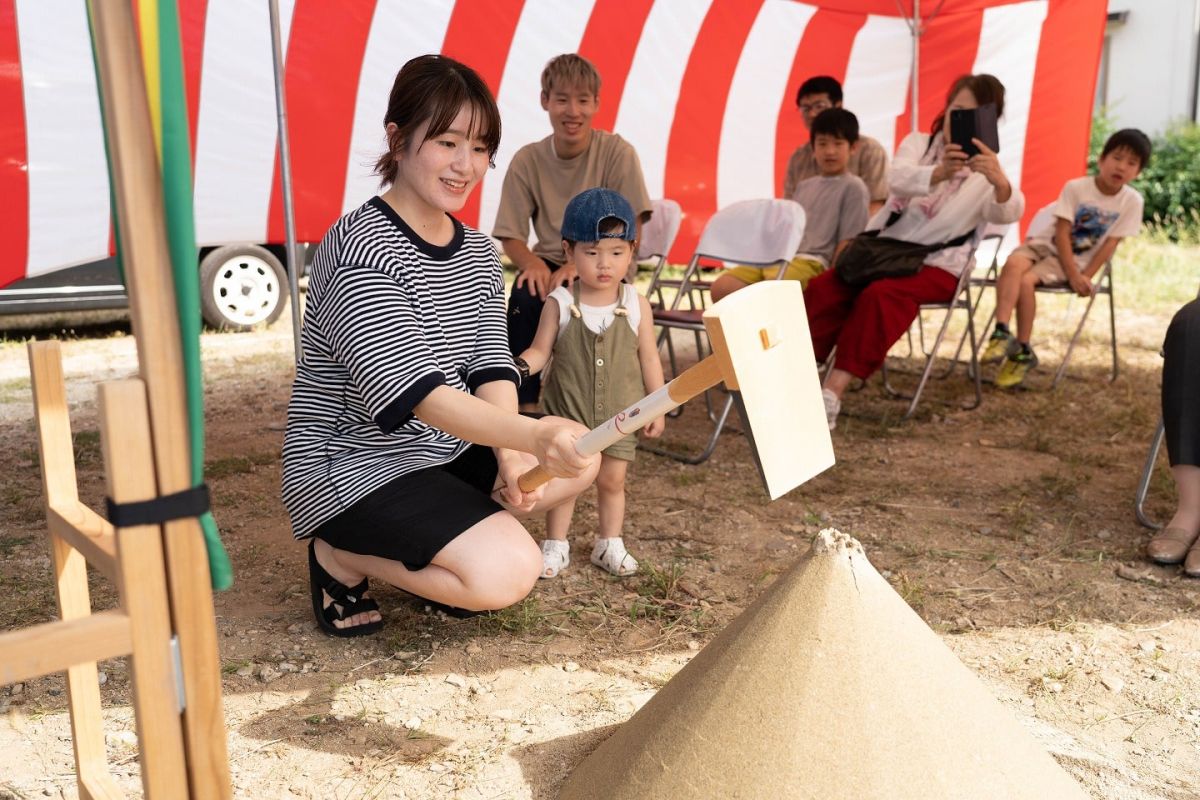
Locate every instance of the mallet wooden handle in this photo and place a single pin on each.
(689, 383)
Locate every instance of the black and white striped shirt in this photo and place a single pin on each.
(389, 317)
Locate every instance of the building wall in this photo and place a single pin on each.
(1148, 73)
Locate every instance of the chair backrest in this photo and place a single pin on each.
(659, 233)
(993, 232)
(1042, 218)
(756, 232)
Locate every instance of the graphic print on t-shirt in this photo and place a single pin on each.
(1091, 223)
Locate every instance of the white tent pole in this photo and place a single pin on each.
(916, 64)
(294, 260)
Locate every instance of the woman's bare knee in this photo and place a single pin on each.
(497, 562)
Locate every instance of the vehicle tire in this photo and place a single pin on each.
(242, 286)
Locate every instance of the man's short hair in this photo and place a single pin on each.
(1133, 140)
(570, 71)
(821, 84)
(836, 122)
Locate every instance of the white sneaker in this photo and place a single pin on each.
(833, 407)
(610, 555)
(556, 556)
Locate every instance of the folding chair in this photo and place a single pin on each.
(960, 300)
(759, 233)
(1104, 285)
(992, 233)
(658, 235)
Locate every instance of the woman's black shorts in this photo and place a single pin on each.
(411, 518)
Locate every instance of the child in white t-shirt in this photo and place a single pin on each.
(600, 332)
(1091, 217)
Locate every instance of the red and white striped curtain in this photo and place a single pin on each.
(704, 89)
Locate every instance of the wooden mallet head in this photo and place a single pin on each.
(760, 340)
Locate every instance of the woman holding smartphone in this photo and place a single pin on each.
(937, 194)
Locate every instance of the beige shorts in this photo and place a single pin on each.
(1046, 265)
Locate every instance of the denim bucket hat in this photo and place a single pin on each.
(585, 212)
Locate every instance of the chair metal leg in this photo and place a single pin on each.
(666, 335)
(931, 358)
(973, 367)
(1062, 368)
(973, 306)
(709, 447)
(1105, 284)
(1112, 329)
(1143, 489)
(929, 362)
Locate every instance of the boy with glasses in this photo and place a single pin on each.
(869, 160)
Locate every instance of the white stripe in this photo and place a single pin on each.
(400, 30)
(876, 85)
(652, 85)
(68, 175)
(547, 28)
(746, 160)
(237, 128)
(1008, 49)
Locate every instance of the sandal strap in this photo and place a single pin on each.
(341, 593)
(347, 600)
(345, 608)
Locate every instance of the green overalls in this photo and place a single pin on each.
(595, 375)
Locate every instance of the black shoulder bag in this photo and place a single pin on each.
(870, 256)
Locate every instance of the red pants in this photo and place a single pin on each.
(865, 323)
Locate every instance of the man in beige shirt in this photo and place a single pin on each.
(869, 160)
(540, 180)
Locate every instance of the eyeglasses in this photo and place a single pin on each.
(815, 108)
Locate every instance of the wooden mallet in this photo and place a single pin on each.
(763, 352)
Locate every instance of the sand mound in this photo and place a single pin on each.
(828, 686)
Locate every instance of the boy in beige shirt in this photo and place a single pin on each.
(541, 178)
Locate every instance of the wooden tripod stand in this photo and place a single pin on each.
(178, 759)
(165, 621)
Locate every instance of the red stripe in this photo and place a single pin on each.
(192, 14)
(609, 42)
(948, 49)
(892, 8)
(1060, 110)
(824, 49)
(324, 62)
(690, 176)
(480, 35)
(14, 158)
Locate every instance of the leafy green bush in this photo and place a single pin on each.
(1170, 184)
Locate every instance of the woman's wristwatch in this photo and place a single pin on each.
(522, 368)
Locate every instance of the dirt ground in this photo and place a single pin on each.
(1009, 528)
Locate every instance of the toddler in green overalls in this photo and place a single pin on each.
(600, 333)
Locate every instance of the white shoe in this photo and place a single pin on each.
(556, 556)
(833, 407)
(610, 555)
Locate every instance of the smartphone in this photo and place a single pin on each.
(975, 123)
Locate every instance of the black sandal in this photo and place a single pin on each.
(347, 601)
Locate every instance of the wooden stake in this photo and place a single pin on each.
(129, 467)
(138, 191)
